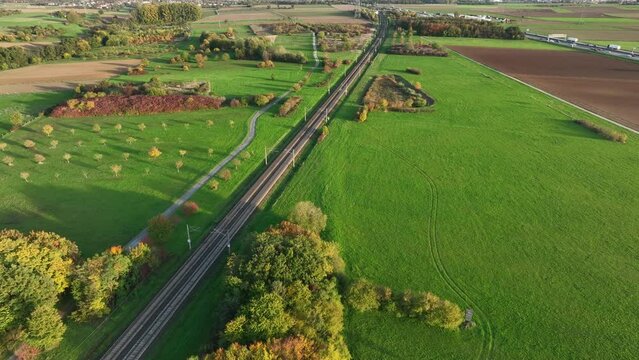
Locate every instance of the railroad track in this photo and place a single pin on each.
(138, 337)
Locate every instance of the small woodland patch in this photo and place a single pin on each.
(432, 49)
(107, 98)
(392, 92)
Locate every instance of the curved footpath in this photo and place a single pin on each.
(177, 204)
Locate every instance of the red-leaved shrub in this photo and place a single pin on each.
(139, 104)
(190, 207)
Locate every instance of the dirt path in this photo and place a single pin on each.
(51, 77)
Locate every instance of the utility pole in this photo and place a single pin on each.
(265, 157)
(188, 236)
(305, 109)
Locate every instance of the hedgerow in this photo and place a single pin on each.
(136, 105)
(457, 27)
(289, 105)
(417, 49)
(604, 132)
(363, 296)
(263, 99)
(254, 47)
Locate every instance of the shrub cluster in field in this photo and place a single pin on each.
(255, 47)
(136, 105)
(172, 13)
(606, 133)
(368, 14)
(432, 49)
(289, 105)
(351, 30)
(390, 92)
(31, 33)
(7, 12)
(284, 291)
(341, 37)
(457, 27)
(121, 32)
(263, 99)
(363, 296)
(106, 98)
(331, 64)
(300, 84)
(39, 267)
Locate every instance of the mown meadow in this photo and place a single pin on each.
(497, 199)
(534, 215)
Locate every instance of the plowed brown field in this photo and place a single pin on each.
(603, 85)
(50, 77)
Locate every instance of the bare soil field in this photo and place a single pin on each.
(603, 85)
(50, 77)
(26, 45)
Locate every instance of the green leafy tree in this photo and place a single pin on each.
(362, 296)
(286, 287)
(96, 282)
(35, 269)
(160, 228)
(45, 328)
(308, 216)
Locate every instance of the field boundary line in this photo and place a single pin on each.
(601, 117)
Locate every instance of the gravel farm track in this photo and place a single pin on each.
(601, 84)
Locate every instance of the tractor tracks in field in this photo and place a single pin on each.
(433, 244)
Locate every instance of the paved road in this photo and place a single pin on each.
(177, 204)
(141, 333)
(624, 54)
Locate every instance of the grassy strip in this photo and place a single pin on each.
(604, 132)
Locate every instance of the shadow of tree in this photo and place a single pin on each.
(94, 217)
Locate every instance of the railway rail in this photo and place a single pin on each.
(144, 330)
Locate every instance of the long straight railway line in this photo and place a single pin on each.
(147, 326)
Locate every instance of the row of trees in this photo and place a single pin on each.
(38, 267)
(285, 293)
(173, 13)
(116, 34)
(456, 27)
(30, 33)
(16, 56)
(362, 296)
(254, 47)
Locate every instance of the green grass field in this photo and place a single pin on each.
(492, 43)
(496, 200)
(42, 19)
(130, 200)
(606, 22)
